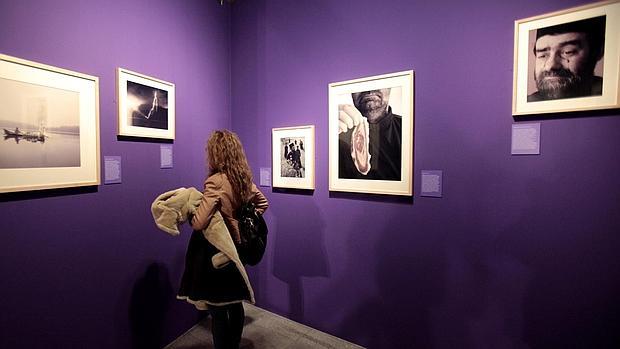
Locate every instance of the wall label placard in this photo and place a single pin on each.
(165, 155)
(525, 139)
(112, 167)
(432, 183)
(265, 176)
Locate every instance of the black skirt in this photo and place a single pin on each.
(202, 282)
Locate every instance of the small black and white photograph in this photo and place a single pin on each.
(292, 156)
(292, 161)
(147, 106)
(40, 125)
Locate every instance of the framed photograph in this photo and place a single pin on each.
(293, 157)
(568, 60)
(371, 134)
(50, 122)
(145, 105)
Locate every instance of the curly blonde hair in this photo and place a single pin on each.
(225, 154)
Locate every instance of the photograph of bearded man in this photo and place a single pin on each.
(370, 137)
(564, 58)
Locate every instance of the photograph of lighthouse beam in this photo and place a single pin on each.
(145, 106)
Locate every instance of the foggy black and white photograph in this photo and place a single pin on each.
(292, 157)
(147, 106)
(40, 126)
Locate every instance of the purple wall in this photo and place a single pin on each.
(88, 268)
(521, 252)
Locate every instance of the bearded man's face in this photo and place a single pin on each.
(562, 68)
(372, 104)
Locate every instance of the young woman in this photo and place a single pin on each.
(228, 186)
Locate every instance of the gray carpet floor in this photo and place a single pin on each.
(264, 330)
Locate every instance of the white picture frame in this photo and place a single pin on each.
(607, 68)
(401, 105)
(146, 105)
(50, 118)
(293, 168)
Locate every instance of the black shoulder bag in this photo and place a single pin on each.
(253, 231)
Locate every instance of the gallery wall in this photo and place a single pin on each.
(520, 252)
(87, 268)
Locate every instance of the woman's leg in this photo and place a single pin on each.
(227, 325)
(220, 327)
(237, 319)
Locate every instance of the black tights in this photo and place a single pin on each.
(227, 325)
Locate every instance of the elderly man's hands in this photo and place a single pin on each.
(348, 117)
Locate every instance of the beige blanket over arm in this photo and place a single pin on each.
(172, 208)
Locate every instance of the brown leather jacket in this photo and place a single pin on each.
(218, 195)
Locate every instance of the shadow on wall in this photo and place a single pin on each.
(149, 303)
(409, 277)
(572, 298)
(299, 255)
